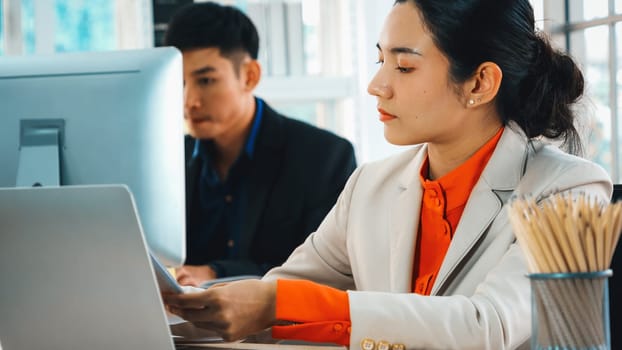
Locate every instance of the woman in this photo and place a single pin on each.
(421, 241)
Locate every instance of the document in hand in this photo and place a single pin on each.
(166, 282)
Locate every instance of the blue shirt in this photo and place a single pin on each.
(215, 226)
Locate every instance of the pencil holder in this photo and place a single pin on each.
(570, 311)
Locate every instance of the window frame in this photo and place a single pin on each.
(561, 26)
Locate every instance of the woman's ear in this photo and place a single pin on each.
(483, 87)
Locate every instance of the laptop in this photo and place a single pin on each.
(75, 272)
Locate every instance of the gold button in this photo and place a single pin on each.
(368, 344)
(337, 327)
(230, 243)
(349, 330)
(383, 345)
(398, 347)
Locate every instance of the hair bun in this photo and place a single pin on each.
(552, 85)
(559, 69)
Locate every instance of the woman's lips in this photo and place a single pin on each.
(384, 116)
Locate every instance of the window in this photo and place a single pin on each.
(591, 45)
(28, 27)
(306, 51)
(591, 32)
(1, 29)
(538, 12)
(580, 10)
(67, 25)
(87, 25)
(47, 26)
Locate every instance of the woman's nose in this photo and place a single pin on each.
(379, 88)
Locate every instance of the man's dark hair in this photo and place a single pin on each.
(211, 25)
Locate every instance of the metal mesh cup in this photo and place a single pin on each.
(570, 311)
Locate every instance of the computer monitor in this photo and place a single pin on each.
(100, 118)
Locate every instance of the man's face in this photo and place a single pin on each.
(213, 93)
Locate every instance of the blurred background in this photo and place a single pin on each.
(318, 55)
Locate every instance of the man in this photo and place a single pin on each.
(257, 183)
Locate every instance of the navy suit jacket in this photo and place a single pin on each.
(297, 173)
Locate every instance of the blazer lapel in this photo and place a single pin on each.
(404, 224)
(482, 208)
(192, 173)
(266, 164)
(501, 175)
(258, 187)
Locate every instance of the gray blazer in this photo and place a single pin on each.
(481, 297)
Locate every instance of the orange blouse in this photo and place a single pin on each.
(322, 314)
(442, 204)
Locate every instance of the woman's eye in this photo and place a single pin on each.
(404, 69)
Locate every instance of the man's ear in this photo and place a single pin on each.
(483, 86)
(251, 73)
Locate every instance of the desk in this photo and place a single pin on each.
(255, 346)
(188, 337)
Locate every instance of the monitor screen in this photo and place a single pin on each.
(100, 118)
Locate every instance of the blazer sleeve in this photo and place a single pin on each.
(495, 316)
(335, 169)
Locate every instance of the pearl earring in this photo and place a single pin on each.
(471, 102)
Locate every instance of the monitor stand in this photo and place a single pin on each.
(40, 141)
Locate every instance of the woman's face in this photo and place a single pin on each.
(416, 100)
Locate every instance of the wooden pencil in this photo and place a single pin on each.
(568, 233)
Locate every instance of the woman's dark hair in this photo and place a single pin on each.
(211, 25)
(539, 83)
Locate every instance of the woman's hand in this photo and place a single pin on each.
(234, 310)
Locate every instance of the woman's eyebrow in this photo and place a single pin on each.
(400, 49)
